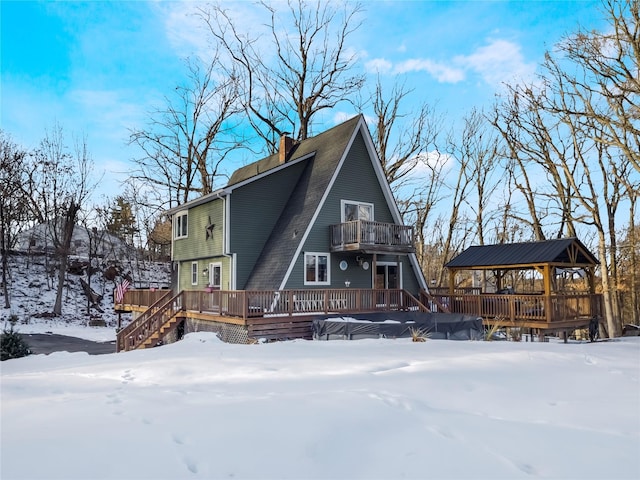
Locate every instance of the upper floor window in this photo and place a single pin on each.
(180, 225)
(316, 268)
(352, 211)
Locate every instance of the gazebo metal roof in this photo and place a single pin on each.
(569, 252)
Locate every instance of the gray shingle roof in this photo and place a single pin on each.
(556, 251)
(327, 149)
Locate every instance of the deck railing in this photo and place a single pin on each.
(139, 329)
(143, 297)
(246, 304)
(530, 308)
(361, 232)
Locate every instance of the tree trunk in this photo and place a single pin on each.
(612, 325)
(63, 253)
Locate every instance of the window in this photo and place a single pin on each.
(194, 273)
(180, 225)
(316, 268)
(352, 211)
(215, 275)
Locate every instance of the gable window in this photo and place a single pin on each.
(316, 268)
(180, 225)
(194, 273)
(352, 211)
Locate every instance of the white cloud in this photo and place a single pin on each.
(184, 28)
(378, 65)
(441, 72)
(497, 62)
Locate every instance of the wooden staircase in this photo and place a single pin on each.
(152, 325)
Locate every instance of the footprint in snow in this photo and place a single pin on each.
(127, 376)
(526, 468)
(391, 400)
(113, 398)
(190, 464)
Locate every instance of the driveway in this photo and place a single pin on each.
(48, 343)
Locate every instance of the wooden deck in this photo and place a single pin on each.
(288, 313)
(546, 312)
(266, 314)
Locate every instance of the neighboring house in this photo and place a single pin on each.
(102, 244)
(318, 214)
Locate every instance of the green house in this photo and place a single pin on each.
(319, 214)
(311, 231)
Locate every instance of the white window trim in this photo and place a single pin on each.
(212, 267)
(194, 273)
(354, 202)
(304, 268)
(177, 234)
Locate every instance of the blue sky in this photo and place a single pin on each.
(98, 68)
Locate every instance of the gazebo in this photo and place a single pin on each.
(559, 276)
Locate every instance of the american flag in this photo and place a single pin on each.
(121, 289)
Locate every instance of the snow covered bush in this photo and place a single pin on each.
(12, 345)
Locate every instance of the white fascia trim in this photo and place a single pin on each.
(320, 205)
(416, 268)
(197, 201)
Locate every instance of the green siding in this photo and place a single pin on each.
(197, 245)
(255, 209)
(356, 181)
(185, 273)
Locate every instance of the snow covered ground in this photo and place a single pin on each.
(33, 290)
(369, 409)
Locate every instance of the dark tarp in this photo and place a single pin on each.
(451, 326)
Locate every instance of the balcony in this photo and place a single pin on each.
(372, 237)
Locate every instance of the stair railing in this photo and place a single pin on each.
(149, 322)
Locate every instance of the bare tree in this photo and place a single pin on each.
(535, 145)
(188, 139)
(303, 68)
(579, 127)
(12, 202)
(607, 80)
(402, 137)
(58, 186)
(479, 144)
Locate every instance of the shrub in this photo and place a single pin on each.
(493, 331)
(12, 345)
(419, 335)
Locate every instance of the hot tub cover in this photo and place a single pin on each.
(450, 326)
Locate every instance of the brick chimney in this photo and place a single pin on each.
(286, 144)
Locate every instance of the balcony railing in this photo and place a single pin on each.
(372, 237)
